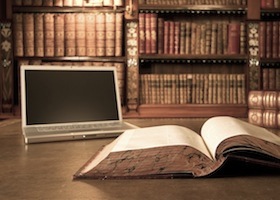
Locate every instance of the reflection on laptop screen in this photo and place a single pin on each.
(62, 96)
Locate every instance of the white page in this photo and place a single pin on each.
(160, 136)
(217, 129)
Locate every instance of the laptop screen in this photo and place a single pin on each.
(70, 94)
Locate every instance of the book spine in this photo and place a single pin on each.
(39, 34)
(110, 36)
(148, 33)
(58, 3)
(70, 36)
(18, 34)
(49, 34)
(59, 35)
(119, 34)
(28, 34)
(275, 36)
(262, 40)
(90, 34)
(78, 3)
(68, 3)
(141, 33)
(44, 3)
(80, 29)
(39, 2)
(268, 39)
(234, 38)
(100, 34)
(153, 44)
(160, 36)
(166, 38)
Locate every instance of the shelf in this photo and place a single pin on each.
(194, 59)
(270, 62)
(194, 9)
(191, 110)
(55, 9)
(75, 58)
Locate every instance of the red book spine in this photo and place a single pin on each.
(153, 33)
(234, 38)
(267, 3)
(160, 32)
(262, 28)
(275, 35)
(268, 39)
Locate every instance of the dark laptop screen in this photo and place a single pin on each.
(57, 96)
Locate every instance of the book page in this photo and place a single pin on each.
(217, 129)
(160, 136)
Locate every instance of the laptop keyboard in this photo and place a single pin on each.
(77, 127)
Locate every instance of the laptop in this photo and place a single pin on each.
(70, 103)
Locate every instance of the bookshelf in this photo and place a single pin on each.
(175, 82)
(153, 74)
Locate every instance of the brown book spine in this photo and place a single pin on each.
(160, 32)
(243, 43)
(70, 36)
(208, 36)
(277, 80)
(100, 34)
(275, 36)
(18, 34)
(59, 48)
(58, 3)
(27, 2)
(272, 78)
(49, 34)
(45, 2)
(214, 32)
(28, 34)
(234, 38)
(255, 116)
(270, 118)
(182, 38)
(166, 37)
(39, 2)
(39, 34)
(90, 34)
(197, 39)
(176, 37)
(153, 21)
(268, 39)
(255, 99)
(119, 34)
(148, 33)
(262, 40)
(142, 33)
(265, 78)
(17, 2)
(110, 35)
(270, 99)
(188, 38)
(68, 3)
(220, 39)
(80, 32)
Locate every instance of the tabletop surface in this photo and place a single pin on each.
(45, 171)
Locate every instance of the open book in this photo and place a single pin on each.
(170, 150)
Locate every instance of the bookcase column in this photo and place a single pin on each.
(253, 56)
(132, 65)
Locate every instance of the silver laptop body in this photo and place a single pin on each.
(70, 103)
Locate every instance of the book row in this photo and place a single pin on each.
(264, 118)
(258, 99)
(160, 36)
(192, 89)
(193, 2)
(271, 78)
(270, 3)
(269, 39)
(68, 3)
(71, 34)
(120, 67)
